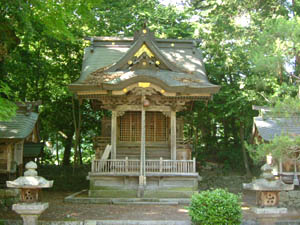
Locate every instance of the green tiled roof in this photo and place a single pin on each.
(268, 127)
(106, 57)
(18, 127)
(32, 149)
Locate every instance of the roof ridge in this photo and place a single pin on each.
(145, 38)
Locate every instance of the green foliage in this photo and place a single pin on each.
(7, 108)
(41, 51)
(66, 178)
(281, 147)
(277, 44)
(215, 207)
(288, 107)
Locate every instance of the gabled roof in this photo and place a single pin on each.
(19, 127)
(109, 62)
(146, 43)
(269, 127)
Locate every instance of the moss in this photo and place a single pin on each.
(113, 193)
(167, 194)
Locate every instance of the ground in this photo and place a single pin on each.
(66, 183)
(59, 210)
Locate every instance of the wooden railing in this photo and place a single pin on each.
(115, 166)
(126, 166)
(170, 166)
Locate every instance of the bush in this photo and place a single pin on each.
(65, 179)
(215, 207)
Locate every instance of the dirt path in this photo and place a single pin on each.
(59, 210)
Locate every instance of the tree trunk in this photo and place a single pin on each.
(57, 156)
(245, 157)
(67, 152)
(80, 153)
(77, 126)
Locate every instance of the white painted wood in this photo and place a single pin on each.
(106, 152)
(173, 135)
(290, 173)
(114, 135)
(143, 144)
(127, 166)
(138, 108)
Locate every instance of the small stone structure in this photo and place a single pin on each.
(30, 185)
(267, 192)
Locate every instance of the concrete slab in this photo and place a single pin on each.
(137, 222)
(144, 203)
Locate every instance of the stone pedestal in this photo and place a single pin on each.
(267, 192)
(30, 212)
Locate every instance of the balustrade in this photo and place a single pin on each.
(129, 166)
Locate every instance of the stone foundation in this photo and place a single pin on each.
(157, 186)
(290, 199)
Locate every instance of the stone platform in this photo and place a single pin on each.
(82, 198)
(121, 186)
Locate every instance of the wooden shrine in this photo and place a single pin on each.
(266, 127)
(144, 81)
(15, 134)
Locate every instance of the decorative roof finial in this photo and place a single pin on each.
(144, 31)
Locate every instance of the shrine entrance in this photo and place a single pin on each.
(157, 127)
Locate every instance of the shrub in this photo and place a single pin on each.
(215, 207)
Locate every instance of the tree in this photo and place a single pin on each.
(7, 108)
(282, 147)
(44, 50)
(229, 31)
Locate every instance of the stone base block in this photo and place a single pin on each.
(156, 187)
(30, 208)
(269, 210)
(30, 211)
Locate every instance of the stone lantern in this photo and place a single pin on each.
(30, 185)
(267, 192)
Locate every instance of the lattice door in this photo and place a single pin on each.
(156, 127)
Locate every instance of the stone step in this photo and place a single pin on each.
(144, 203)
(138, 222)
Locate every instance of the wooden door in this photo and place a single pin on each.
(130, 127)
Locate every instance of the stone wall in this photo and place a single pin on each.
(290, 199)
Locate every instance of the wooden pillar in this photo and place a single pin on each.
(8, 149)
(173, 135)
(143, 140)
(114, 135)
(142, 177)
